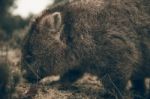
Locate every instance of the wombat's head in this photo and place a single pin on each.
(42, 47)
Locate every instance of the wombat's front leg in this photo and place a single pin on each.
(138, 86)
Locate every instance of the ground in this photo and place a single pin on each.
(88, 87)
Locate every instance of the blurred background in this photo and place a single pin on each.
(15, 16)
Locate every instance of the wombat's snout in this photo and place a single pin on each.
(32, 79)
(28, 61)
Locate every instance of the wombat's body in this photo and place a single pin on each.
(102, 37)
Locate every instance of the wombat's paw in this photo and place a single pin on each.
(49, 80)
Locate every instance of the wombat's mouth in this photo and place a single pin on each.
(31, 77)
(29, 72)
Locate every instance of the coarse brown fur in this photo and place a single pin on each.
(102, 37)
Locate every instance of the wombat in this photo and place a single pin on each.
(102, 37)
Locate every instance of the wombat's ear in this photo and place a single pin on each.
(57, 20)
